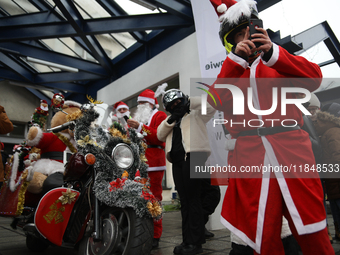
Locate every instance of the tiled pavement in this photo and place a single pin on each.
(13, 241)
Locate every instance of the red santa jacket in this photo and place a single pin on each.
(155, 152)
(52, 149)
(245, 198)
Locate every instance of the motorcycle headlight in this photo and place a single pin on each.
(123, 156)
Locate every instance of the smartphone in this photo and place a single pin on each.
(125, 117)
(253, 24)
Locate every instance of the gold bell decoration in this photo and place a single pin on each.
(68, 197)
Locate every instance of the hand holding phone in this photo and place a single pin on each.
(253, 24)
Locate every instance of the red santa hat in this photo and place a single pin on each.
(148, 96)
(232, 11)
(43, 101)
(232, 14)
(137, 175)
(70, 104)
(120, 105)
(221, 6)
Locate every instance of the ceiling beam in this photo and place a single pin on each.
(46, 6)
(333, 49)
(66, 86)
(77, 22)
(29, 18)
(179, 9)
(135, 23)
(44, 78)
(70, 87)
(92, 27)
(264, 4)
(38, 94)
(7, 73)
(115, 10)
(52, 56)
(314, 35)
(12, 64)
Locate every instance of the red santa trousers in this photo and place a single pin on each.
(156, 178)
(314, 243)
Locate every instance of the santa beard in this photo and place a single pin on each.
(143, 113)
(121, 115)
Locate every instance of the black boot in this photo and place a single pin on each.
(192, 249)
(178, 249)
(155, 243)
(337, 232)
(208, 234)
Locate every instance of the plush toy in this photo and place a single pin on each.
(35, 179)
(33, 156)
(40, 115)
(57, 101)
(53, 147)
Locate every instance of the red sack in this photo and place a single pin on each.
(12, 203)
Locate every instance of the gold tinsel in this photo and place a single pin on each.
(154, 208)
(66, 141)
(145, 146)
(116, 133)
(74, 116)
(143, 158)
(22, 192)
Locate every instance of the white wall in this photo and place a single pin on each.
(18, 102)
(180, 59)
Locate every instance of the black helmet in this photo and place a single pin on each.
(171, 96)
(235, 18)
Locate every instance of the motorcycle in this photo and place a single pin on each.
(104, 205)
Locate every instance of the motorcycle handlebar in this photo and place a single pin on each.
(61, 127)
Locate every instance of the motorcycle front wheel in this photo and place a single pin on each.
(124, 233)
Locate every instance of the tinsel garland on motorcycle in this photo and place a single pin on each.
(112, 186)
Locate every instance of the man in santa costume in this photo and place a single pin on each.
(146, 121)
(121, 111)
(255, 202)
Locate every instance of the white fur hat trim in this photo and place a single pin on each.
(222, 8)
(236, 11)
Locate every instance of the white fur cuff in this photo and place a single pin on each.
(36, 139)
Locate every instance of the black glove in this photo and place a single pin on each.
(177, 114)
(171, 119)
(179, 111)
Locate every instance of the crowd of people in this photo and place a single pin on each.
(267, 213)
